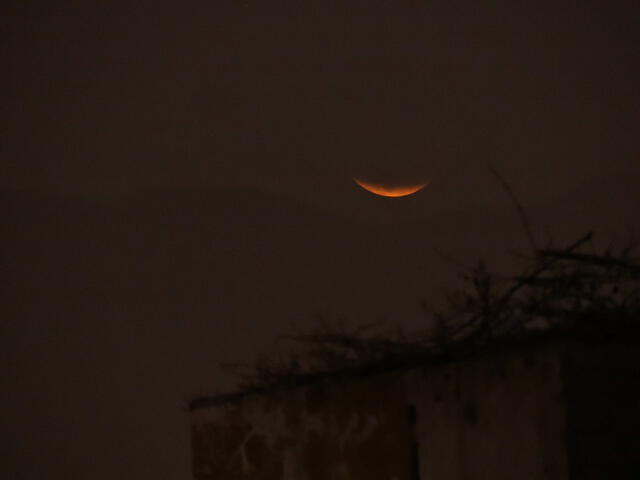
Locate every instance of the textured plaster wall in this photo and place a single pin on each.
(603, 411)
(356, 430)
(501, 416)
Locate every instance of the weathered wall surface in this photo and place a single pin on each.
(499, 417)
(541, 412)
(348, 431)
(603, 411)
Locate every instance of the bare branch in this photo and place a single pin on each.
(521, 212)
(562, 288)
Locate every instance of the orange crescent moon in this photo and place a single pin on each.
(390, 191)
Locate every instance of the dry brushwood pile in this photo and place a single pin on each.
(561, 291)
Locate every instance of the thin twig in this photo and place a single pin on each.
(521, 212)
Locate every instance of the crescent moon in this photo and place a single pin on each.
(390, 191)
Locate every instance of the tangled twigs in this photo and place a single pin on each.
(560, 290)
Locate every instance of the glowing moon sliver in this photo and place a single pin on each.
(390, 191)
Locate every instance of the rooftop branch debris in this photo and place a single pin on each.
(560, 290)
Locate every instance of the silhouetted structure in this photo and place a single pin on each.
(536, 377)
(554, 409)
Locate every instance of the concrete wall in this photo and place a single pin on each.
(500, 416)
(603, 411)
(353, 430)
(497, 417)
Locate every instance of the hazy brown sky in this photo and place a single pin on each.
(296, 96)
(176, 183)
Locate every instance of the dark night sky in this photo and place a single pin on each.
(177, 187)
